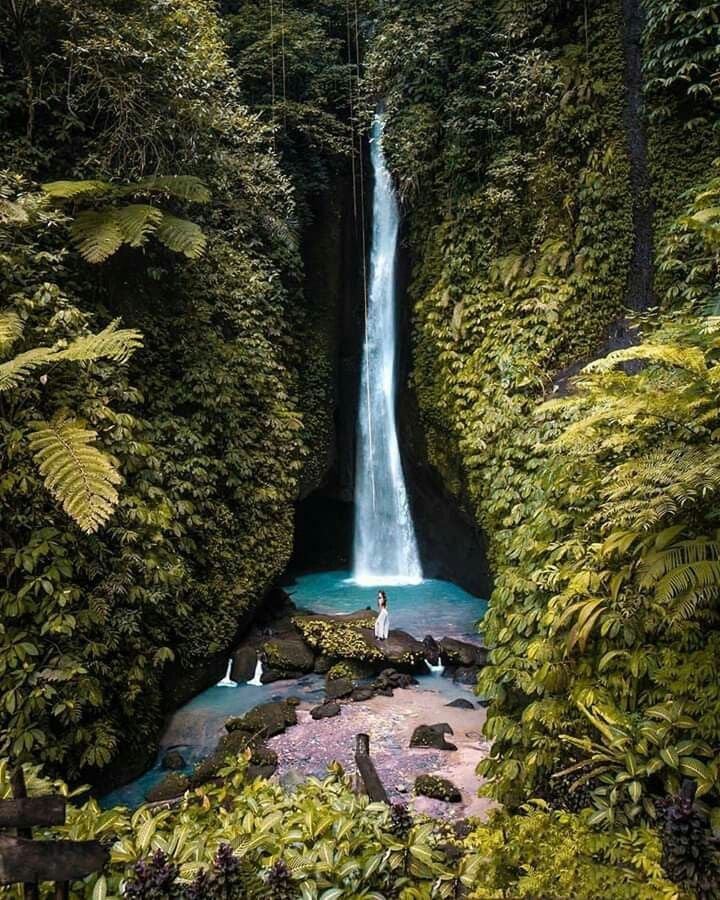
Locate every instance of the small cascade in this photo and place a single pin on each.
(438, 669)
(227, 680)
(256, 680)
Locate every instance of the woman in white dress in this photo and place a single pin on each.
(382, 623)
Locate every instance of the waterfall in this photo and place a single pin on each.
(438, 669)
(256, 680)
(385, 550)
(227, 680)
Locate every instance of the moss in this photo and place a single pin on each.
(170, 787)
(437, 788)
(340, 640)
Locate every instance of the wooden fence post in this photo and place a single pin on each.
(368, 777)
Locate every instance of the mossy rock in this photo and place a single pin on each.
(340, 638)
(437, 788)
(289, 655)
(340, 670)
(265, 720)
(170, 788)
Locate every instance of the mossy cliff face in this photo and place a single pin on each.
(541, 182)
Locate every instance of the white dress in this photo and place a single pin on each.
(382, 624)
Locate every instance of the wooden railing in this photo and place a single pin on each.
(29, 862)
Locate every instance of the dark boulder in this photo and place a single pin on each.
(462, 653)
(322, 666)
(171, 787)
(326, 710)
(174, 761)
(461, 703)
(338, 687)
(289, 654)
(437, 788)
(432, 736)
(466, 675)
(361, 694)
(265, 720)
(244, 662)
(269, 676)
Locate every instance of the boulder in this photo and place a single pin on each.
(271, 675)
(437, 788)
(432, 651)
(265, 720)
(289, 654)
(244, 662)
(207, 768)
(171, 787)
(327, 710)
(173, 760)
(461, 703)
(432, 736)
(339, 687)
(466, 675)
(361, 694)
(482, 702)
(322, 666)
(462, 653)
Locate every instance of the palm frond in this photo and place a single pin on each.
(76, 473)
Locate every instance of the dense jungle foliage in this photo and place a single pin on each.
(511, 141)
(164, 390)
(152, 185)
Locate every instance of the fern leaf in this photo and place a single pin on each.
(76, 473)
(184, 187)
(67, 190)
(97, 234)
(112, 342)
(137, 222)
(14, 370)
(11, 327)
(182, 236)
(690, 358)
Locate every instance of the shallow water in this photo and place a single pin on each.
(439, 608)
(433, 607)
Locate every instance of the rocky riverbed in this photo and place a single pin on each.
(310, 746)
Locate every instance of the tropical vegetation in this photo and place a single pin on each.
(167, 392)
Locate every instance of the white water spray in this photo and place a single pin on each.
(438, 669)
(227, 680)
(256, 680)
(385, 549)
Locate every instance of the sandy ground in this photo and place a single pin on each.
(309, 747)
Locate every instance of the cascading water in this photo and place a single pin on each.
(256, 680)
(227, 680)
(385, 549)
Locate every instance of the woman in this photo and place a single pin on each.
(382, 623)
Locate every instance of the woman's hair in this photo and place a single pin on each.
(383, 597)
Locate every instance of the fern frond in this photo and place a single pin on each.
(182, 236)
(137, 222)
(67, 190)
(184, 187)
(97, 234)
(76, 473)
(14, 370)
(113, 343)
(690, 358)
(11, 327)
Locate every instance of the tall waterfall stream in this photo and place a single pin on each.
(385, 549)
